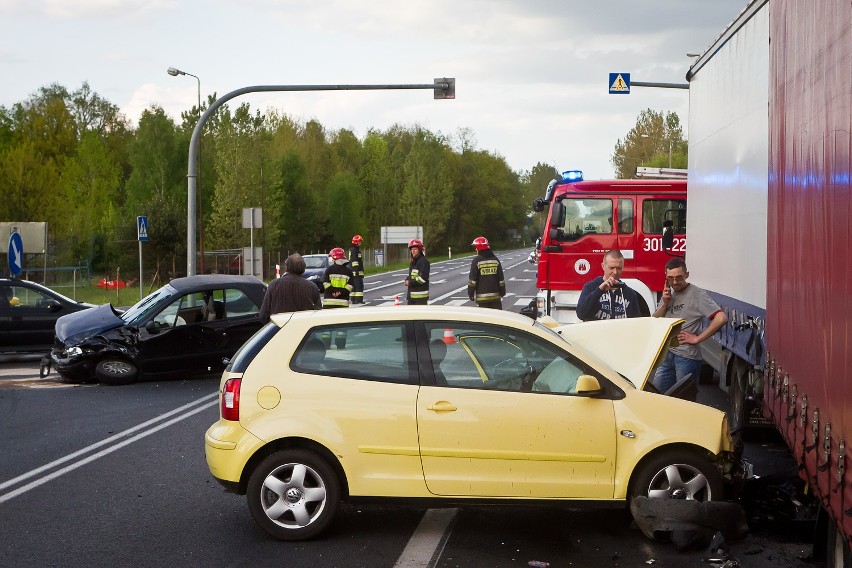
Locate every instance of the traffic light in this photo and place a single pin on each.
(445, 88)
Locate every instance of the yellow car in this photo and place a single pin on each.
(429, 403)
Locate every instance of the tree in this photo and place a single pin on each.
(156, 186)
(649, 143)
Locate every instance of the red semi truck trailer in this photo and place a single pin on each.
(770, 232)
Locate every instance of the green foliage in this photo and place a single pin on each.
(71, 159)
(655, 141)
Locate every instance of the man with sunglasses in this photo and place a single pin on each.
(686, 301)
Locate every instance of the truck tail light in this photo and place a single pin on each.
(231, 400)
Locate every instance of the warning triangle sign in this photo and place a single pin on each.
(619, 85)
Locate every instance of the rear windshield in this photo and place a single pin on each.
(242, 358)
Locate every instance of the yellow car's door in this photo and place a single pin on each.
(500, 437)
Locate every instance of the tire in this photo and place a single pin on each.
(115, 372)
(293, 495)
(678, 475)
(737, 412)
(837, 554)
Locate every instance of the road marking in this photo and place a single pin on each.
(426, 544)
(199, 403)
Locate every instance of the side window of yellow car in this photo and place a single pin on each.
(372, 352)
(494, 358)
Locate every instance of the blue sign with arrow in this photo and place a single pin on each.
(16, 253)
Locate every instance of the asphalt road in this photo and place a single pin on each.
(115, 476)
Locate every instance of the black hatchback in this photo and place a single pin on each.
(189, 327)
(28, 314)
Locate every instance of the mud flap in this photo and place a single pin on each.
(687, 523)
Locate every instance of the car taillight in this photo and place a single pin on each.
(231, 400)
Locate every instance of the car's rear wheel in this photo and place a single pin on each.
(676, 475)
(293, 495)
(116, 372)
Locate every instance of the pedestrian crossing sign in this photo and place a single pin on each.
(142, 227)
(619, 83)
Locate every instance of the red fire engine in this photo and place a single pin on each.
(587, 218)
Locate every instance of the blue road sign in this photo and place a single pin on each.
(142, 227)
(619, 83)
(16, 253)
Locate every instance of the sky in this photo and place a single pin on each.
(531, 75)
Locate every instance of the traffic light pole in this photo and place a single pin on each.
(444, 88)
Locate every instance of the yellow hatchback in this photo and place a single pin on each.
(434, 404)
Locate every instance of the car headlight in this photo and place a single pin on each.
(73, 351)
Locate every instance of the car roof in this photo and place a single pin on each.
(211, 281)
(405, 313)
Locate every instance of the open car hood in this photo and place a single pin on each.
(75, 327)
(633, 347)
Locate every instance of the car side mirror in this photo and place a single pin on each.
(556, 213)
(152, 327)
(53, 305)
(668, 235)
(587, 384)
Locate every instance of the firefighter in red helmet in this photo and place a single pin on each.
(486, 285)
(418, 274)
(356, 263)
(337, 281)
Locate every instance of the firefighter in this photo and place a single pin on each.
(486, 285)
(337, 281)
(356, 263)
(418, 274)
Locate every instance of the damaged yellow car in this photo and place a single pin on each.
(433, 405)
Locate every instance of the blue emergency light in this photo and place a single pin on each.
(572, 175)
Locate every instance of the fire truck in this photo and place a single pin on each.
(587, 218)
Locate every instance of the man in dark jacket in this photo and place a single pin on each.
(356, 263)
(486, 285)
(418, 274)
(607, 297)
(291, 292)
(337, 281)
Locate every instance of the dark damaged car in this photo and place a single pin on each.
(189, 327)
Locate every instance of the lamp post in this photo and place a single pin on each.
(443, 88)
(174, 73)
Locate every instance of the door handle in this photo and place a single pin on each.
(442, 406)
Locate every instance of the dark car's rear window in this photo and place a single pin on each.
(241, 359)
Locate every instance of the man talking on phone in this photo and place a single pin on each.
(686, 301)
(607, 297)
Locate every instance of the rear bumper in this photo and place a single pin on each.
(228, 447)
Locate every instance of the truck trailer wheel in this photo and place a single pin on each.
(737, 412)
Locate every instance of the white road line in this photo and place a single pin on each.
(426, 544)
(78, 453)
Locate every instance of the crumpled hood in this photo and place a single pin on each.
(633, 346)
(73, 328)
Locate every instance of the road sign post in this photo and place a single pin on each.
(141, 235)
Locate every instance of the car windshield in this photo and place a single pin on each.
(137, 313)
(315, 261)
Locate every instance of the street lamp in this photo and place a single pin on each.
(174, 73)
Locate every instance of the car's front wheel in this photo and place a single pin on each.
(676, 475)
(116, 372)
(293, 495)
